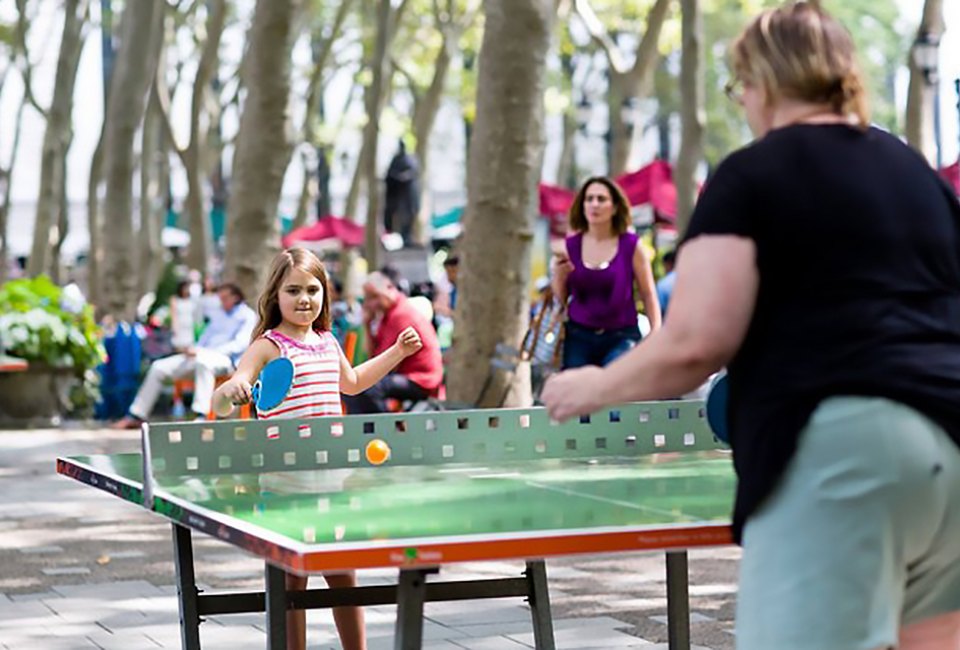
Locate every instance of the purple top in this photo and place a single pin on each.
(602, 298)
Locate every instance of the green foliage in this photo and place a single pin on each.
(874, 25)
(7, 34)
(41, 324)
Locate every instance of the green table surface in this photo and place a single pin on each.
(369, 504)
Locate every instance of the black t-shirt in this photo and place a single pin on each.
(858, 254)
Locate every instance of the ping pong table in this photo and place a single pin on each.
(458, 486)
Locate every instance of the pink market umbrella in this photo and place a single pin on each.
(329, 227)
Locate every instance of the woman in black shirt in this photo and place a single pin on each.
(822, 266)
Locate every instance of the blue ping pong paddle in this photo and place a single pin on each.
(273, 384)
(717, 407)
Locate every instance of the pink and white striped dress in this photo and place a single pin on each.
(316, 377)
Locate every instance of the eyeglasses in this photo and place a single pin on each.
(733, 89)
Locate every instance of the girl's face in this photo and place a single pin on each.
(598, 205)
(300, 298)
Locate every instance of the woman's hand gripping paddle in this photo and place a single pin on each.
(273, 384)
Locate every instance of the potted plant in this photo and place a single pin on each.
(55, 332)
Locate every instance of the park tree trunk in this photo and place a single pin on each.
(6, 182)
(152, 151)
(385, 89)
(504, 168)
(380, 65)
(95, 226)
(201, 244)
(56, 144)
(424, 117)
(322, 48)
(451, 24)
(921, 92)
(141, 34)
(627, 83)
(263, 146)
(63, 226)
(567, 164)
(692, 117)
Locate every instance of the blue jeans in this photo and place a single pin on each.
(585, 346)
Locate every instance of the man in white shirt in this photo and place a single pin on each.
(216, 353)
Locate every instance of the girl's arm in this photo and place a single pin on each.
(356, 380)
(643, 274)
(236, 390)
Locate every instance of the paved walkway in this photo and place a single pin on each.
(81, 569)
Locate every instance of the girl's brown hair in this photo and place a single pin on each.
(269, 303)
(800, 52)
(621, 214)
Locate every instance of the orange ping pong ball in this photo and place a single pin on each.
(378, 452)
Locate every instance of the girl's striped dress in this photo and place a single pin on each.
(316, 377)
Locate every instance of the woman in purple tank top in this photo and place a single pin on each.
(595, 277)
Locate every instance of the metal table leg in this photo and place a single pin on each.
(678, 601)
(539, 600)
(276, 605)
(411, 592)
(187, 593)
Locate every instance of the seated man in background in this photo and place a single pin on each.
(216, 353)
(386, 313)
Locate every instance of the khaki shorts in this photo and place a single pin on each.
(861, 537)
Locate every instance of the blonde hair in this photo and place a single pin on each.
(621, 215)
(800, 52)
(269, 303)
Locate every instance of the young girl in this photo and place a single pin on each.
(295, 323)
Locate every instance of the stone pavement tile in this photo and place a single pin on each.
(695, 617)
(580, 638)
(21, 611)
(231, 620)
(431, 631)
(40, 595)
(386, 643)
(151, 604)
(109, 590)
(83, 610)
(124, 555)
(491, 629)
(166, 636)
(121, 640)
(712, 590)
(50, 644)
(70, 630)
(66, 571)
(42, 550)
(666, 646)
(565, 573)
(125, 620)
(628, 604)
(469, 612)
(490, 643)
(241, 637)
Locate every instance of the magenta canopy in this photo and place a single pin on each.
(328, 227)
(651, 184)
(951, 174)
